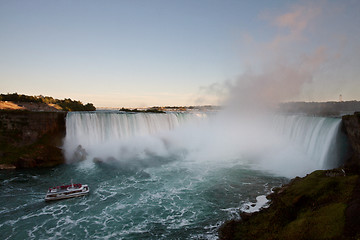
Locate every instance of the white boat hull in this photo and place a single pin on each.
(52, 196)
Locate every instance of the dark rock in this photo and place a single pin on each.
(245, 215)
(352, 129)
(31, 139)
(26, 162)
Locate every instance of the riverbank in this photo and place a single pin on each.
(32, 129)
(322, 205)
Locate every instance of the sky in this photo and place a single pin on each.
(141, 53)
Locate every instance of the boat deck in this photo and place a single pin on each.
(66, 191)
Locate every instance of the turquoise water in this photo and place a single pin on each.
(163, 176)
(173, 200)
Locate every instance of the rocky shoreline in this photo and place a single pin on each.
(322, 205)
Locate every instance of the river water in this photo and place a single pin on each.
(155, 181)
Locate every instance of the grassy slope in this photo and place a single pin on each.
(308, 208)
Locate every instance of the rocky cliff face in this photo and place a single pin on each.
(352, 130)
(31, 139)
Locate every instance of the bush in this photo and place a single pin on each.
(66, 104)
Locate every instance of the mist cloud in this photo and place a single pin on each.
(277, 82)
(279, 68)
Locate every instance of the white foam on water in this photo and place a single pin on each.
(250, 207)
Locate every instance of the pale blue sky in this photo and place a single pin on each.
(144, 52)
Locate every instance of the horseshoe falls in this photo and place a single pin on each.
(164, 176)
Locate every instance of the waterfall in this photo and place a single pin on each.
(285, 145)
(320, 137)
(99, 127)
(97, 132)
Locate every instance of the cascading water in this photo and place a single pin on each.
(118, 136)
(319, 137)
(163, 176)
(285, 145)
(102, 126)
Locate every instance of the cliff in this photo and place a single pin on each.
(31, 139)
(352, 130)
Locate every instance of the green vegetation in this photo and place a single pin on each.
(72, 105)
(307, 208)
(157, 109)
(66, 104)
(149, 110)
(18, 98)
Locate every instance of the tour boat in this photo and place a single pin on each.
(66, 191)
